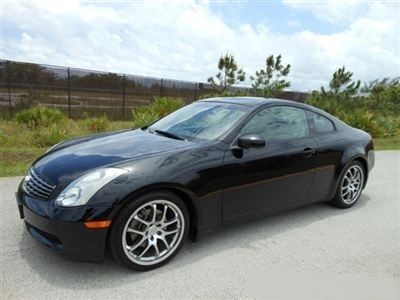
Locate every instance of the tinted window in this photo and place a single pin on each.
(322, 124)
(278, 123)
(202, 120)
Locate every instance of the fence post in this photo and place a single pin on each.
(8, 86)
(69, 93)
(123, 97)
(195, 91)
(161, 88)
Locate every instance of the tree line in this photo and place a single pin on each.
(273, 78)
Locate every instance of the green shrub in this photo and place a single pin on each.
(143, 117)
(362, 120)
(388, 125)
(166, 105)
(162, 106)
(39, 116)
(97, 124)
(3, 138)
(378, 114)
(386, 101)
(51, 135)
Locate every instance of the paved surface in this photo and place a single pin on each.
(316, 252)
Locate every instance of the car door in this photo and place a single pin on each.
(329, 145)
(274, 177)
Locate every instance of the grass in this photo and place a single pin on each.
(16, 161)
(21, 145)
(389, 143)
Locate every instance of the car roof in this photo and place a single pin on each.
(258, 101)
(248, 101)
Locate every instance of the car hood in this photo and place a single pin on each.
(63, 165)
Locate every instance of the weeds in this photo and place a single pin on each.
(40, 116)
(378, 114)
(31, 132)
(162, 106)
(97, 124)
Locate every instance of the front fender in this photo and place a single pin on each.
(193, 174)
(126, 197)
(195, 205)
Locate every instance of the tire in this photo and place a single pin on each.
(149, 231)
(350, 185)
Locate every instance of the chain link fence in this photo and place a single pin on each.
(82, 93)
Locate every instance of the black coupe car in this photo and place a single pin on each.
(142, 192)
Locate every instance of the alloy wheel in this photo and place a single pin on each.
(153, 232)
(352, 184)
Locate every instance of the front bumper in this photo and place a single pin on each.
(70, 238)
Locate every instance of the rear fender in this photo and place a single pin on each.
(356, 153)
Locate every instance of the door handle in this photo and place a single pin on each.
(308, 152)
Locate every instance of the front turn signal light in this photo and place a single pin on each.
(98, 224)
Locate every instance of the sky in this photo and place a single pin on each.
(184, 39)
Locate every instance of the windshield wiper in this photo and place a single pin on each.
(169, 134)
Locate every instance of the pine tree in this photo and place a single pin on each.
(378, 85)
(342, 84)
(228, 75)
(271, 79)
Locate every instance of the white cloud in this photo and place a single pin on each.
(184, 40)
(331, 11)
(293, 23)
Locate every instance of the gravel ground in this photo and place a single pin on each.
(315, 252)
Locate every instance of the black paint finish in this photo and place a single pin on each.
(218, 180)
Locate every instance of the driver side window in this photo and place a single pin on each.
(278, 123)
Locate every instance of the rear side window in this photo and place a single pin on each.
(322, 124)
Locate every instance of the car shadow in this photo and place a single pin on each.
(64, 273)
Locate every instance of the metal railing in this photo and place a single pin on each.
(80, 93)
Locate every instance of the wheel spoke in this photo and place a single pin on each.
(145, 250)
(157, 250)
(345, 193)
(165, 242)
(170, 222)
(131, 230)
(164, 213)
(349, 176)
(137, 218)
(171, 232)
(131, 249)
(154, 213)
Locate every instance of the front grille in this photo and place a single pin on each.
(36, 186)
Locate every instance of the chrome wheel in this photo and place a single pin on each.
(352, 184)
(153, 232)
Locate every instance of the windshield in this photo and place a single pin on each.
(201, 120)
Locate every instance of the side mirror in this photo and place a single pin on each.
(251, 141)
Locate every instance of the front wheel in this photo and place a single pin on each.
(350, 186)
(150, 231)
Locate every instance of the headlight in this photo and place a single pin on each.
(82, 189)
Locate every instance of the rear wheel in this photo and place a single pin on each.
(150, 231)
(350, 186)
